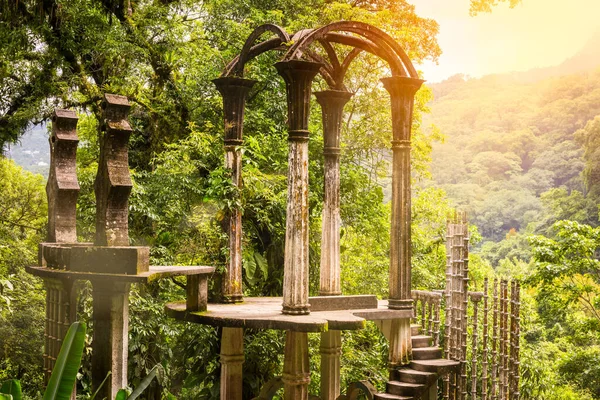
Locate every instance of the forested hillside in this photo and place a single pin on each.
(514, 150)
(521, 156)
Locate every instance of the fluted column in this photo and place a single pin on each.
(402, 91)
(296, 373)
(298, 76)
(232, 358)
(330, 351)
(234, 91)
(332, 104)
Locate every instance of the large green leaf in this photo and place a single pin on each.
(121, 395)
(12, 388)
(65, 370)
(4, 396)
(144, 383)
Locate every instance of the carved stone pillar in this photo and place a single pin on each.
(234, 92)
(62, 191)
(296, 373)
(402, 91)
(298, 76)
(113, 181)
(331, 351)
(111, 330)
(232, 358)
(111, 298)
(62, 188)
(332, 104)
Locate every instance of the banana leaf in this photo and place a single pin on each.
(144, 383)
(67, 364)
(11, 388)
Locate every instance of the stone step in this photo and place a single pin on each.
(388, 396)
(427, 353)
(404, 388)
(415, 329)
(440, 366)
(413, 376)
(421, 341)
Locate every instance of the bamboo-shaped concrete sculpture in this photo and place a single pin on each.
(475, 298)
(484, 371)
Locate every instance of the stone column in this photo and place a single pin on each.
(234, 92)
(402, 91)
(296, 373)
(331, 351)
(232, 358)
(111, 298)
(111, 330)
(400, 351)
(332, 104)
(298, 76)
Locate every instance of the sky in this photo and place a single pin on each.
(537, 33)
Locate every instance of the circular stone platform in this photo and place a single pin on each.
(265, 313)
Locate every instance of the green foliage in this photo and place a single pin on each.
(479, 6)
(62, 380)
(512, 141)
(589, 138)
(12, 387)
(22, 221)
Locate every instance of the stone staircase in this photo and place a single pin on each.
(419, 379)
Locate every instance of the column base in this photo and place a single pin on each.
(397, 304)
(296, 310)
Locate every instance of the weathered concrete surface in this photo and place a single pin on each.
(296, 373)
(153, 274)
(330, 351)
(113, 181)
(196, 292)
(100, 259)
(402, 91)
(232, 359)
(62, 187)
(298, 76)
(332, 105)
(234, 92)
(333, 303)
(111, 330)
(265, 313)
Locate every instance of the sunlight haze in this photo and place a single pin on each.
(537, 33)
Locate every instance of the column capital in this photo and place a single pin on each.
(333, 97)
(234, 91)
(332, 105)
(298, 76)
(402, 85)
